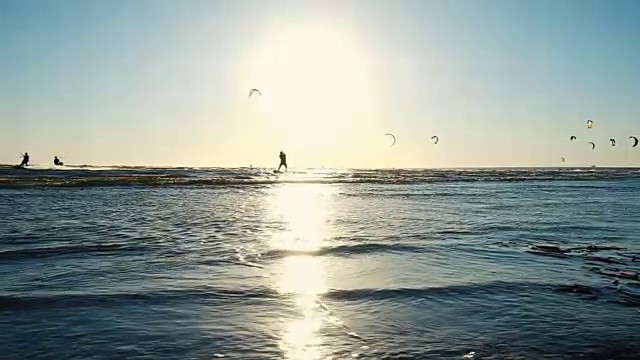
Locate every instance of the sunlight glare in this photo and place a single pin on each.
(303, 209)
(300, 341)
(303, 277)
(315, 81)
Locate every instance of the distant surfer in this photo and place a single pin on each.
(57, 161)
(25, 160)
(283, 161)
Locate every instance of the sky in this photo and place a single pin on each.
(165, 83)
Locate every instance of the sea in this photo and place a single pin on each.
(242, 263)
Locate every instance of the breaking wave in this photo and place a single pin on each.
(91, 176)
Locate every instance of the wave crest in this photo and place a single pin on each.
(134, 176)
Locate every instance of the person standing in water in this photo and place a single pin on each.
(25, 159)
(57, 161)
(283, 161)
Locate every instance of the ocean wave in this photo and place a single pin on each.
(345, 250)
(134, 176)
(64, 300)
(46, 252)
(8, 301)
(497, 287)
(22, 302)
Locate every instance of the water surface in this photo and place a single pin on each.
(318, 264)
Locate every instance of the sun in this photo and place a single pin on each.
(315, 81)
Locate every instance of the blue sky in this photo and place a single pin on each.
(155, 82)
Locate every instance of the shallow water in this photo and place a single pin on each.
(317, 264)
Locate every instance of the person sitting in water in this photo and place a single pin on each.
(283, 161)
(57, 161)
(25, 159)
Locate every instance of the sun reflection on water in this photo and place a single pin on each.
(303, 210)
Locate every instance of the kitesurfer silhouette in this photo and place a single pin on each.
(25, 159)
(283, 161)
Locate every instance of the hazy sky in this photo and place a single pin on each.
(502, 83)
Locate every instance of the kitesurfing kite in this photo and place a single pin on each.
(253, 91)
(613, 142)
(593, 146)
(635, 141)
(572, 138)
(589, 124)
(437, 139)
(562, 159)
(394, 139)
